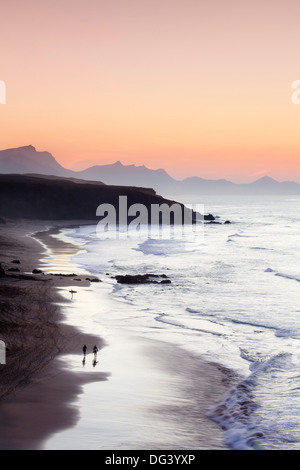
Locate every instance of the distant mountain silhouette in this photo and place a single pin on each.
(267, 185)
(26, 160)
(163, 183)
(130, 175)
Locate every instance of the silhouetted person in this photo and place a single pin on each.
(84, 353)
(72, 292)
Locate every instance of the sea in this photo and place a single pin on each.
(233, 299)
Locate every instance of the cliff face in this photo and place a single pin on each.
(34, 197)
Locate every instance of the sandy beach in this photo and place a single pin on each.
(40, 394)
(35, 392)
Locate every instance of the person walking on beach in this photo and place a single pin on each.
(95, 350)
(84, 354)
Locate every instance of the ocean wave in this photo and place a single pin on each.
(279, 360)
(254, 324)
(288, 333)
(250, 356)
(233, 413)
(167, 319)
(192, 310)
(288, 276)
(239, 235)
(233, 236)
(167, 247)
(236, 412)
(292, 277)
(261, 248)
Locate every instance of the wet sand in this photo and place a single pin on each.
(42, 393)
(35, 391)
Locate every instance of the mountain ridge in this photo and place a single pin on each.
(27, 160)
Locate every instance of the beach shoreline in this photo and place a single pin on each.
(35, 390)
(47, 400)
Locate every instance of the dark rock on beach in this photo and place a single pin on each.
(62, 275)
(24, 277)
(143, 279)
(218, 223)
(209, 217)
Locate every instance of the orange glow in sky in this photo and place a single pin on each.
(195, 87)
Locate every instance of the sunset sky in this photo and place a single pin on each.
(198, 87)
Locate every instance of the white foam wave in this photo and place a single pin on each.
(292, 277)
(211, 327)
(288, 276)
(166, 247)
(239, 235)
(235, 413)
